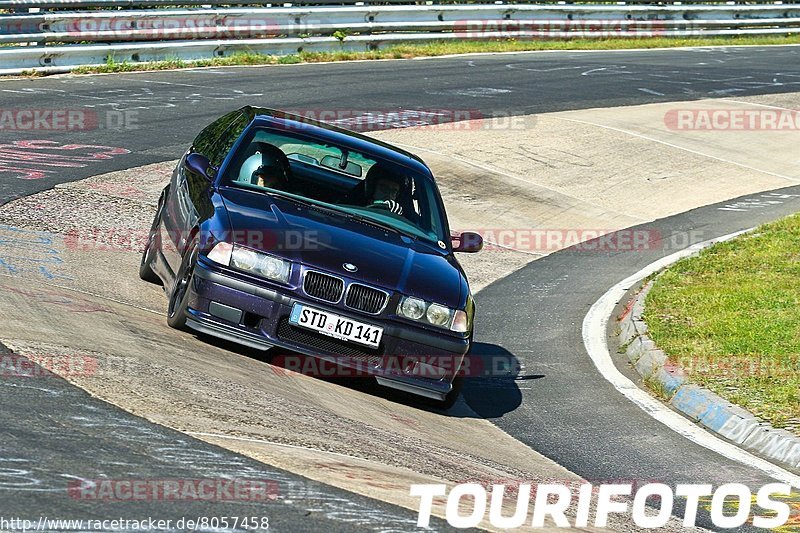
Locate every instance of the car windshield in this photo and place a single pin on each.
(355, 184)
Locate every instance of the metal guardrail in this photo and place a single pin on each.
(467, 20)
(16, 5)
(41, 40)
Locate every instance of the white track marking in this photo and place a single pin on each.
(645, 137)
(594, 338)
(650, 91)
(757, 104)
(640, 136)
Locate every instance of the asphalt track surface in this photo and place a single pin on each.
(156, 115)
(560, 405)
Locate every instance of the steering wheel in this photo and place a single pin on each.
(393, 206)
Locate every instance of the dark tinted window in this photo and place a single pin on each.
(216, 140)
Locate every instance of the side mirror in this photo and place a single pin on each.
(468, 242)
(199, 164)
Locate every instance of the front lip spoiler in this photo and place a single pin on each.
(442, 388)
(435, 390)
(239, 337)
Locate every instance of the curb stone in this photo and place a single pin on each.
(700, 405)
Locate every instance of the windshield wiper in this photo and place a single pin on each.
(345, 214)
(379, 224)
(307, 203)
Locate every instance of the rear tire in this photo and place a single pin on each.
(179, 297)
(145, 267)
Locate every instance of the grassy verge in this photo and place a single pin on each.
(437, 48)
(731, 318)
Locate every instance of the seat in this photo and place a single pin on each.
(266, 160)
(365, 190)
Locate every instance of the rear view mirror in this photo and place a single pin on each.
(199, 164)
(335, 163)
(468, 242)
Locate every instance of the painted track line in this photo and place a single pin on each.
(678, 147)
(595, 340)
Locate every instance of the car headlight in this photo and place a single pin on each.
(434, 314)
(267, 266)
(413, 308)
(438, 315)
(244, 259)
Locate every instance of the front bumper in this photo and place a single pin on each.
(256, 316)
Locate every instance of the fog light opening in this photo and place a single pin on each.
(251, 320)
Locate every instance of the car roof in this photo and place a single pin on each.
(282, 120)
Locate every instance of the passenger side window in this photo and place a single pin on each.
(216, 140)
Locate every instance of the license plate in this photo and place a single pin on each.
(335, 326)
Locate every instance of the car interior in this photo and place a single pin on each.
(329, 174)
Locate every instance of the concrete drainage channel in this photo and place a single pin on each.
(697, 403)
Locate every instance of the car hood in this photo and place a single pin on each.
(319, 239)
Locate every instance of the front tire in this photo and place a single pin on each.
(179, 297)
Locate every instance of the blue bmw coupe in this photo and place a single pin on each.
(279, 231)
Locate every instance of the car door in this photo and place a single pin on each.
(189, 200)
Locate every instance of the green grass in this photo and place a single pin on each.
(112, 65)
(437, 48)
(731, 318)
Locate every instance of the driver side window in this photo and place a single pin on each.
(216, 140)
